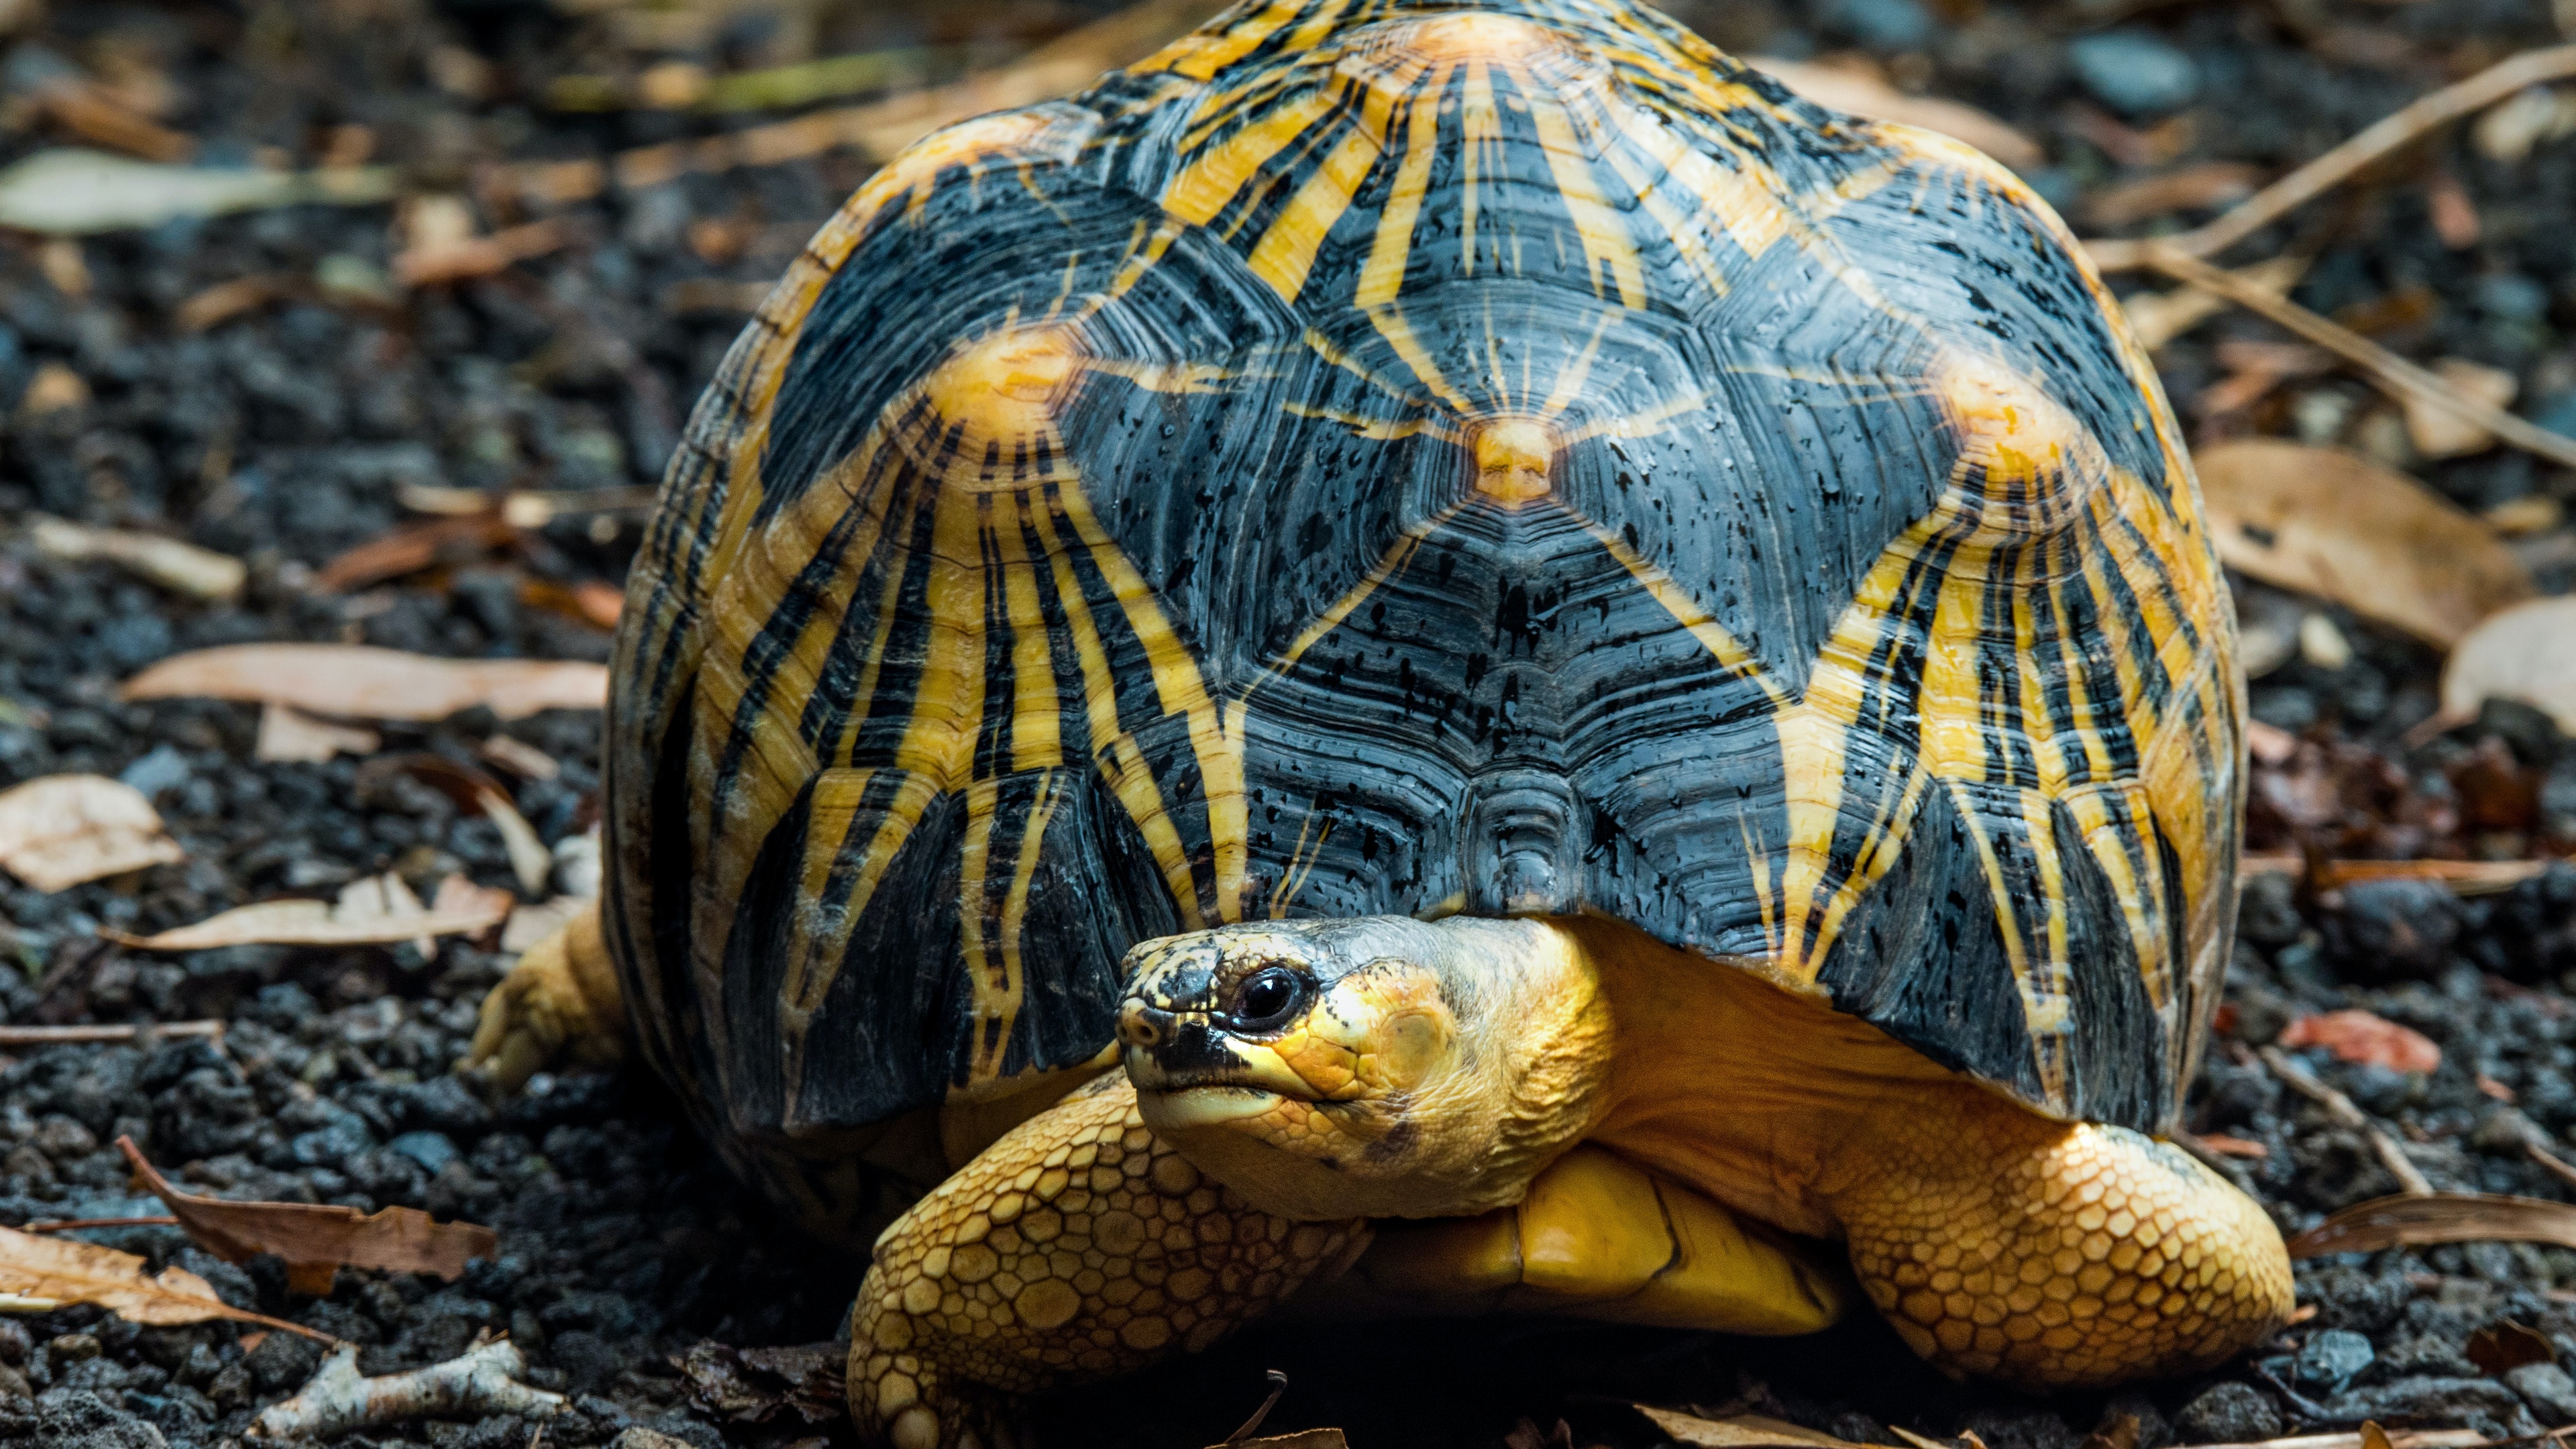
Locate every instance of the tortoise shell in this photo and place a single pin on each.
(1382, 457)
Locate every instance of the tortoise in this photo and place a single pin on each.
(1595, 677)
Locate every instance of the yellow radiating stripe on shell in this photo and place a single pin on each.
(1480, 130)
(1113, 754)
(1037, 714)
(991, 994)
(1201, 54)
(1382, 275)
(947, 699)
(1676, 601)
(809, 979)
(1015, 914)
(1286, 252)
(1209, 182)
(1216, 732)
(1604, 232)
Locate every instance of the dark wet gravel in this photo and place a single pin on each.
(286, 434)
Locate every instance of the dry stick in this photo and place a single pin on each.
(2332, 169)
(2550, 1162)
(2299, 1079)
(2393, 373)
(67, 1225)
(29, 1036)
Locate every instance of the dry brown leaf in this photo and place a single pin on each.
(2361, 1038)
(2439, 433)
(377, 911)
(62, 830)
(317, 1240)
(200, 573)
(519, 758)
(291, 734)
(2227, 1146)
(480, 794)
(2503, 1346)
(2421, 1219)
(2464, 877)
(2370, 1436)
(2337, 526)
(39, 1273)
(1739, 1431)
(362, 682)
(456, 261)
(1871, 99)
(533, 923)
(416, 546)
(2526, 653)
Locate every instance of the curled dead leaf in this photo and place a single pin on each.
(317, 1240)
(200, 573)
(362, 682)
(2337, 526)
(2526, 652)
(377, 911)
(477, 793)
(39, 1274)
(1872, 99)
(1738, 1431)
(61, 830)
(2422, 1219)
(2364, 1039)
(291, 734)
(2503, 1346)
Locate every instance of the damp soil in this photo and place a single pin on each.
(311, 421)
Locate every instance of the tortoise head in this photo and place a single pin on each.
(1378, 1067)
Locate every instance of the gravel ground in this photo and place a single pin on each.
(286, 434)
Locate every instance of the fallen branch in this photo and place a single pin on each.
(2339, 1107)
(34, 1036)
(2423, 1219)
(2394, 375)
(2402, 127)
(338, 1398)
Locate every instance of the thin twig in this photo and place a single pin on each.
(68, 1225)
(2394, 374)
(2307, 183)
(2299, 1079)
(29, 1036)
(2551, 1163)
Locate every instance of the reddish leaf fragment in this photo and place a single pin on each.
(318, 1241)
(2504, 1345)
(2364, 1039)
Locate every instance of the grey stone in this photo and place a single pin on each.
(2229, 1413)
(2333, 1359)
(2134, 74)
(2548, 1389)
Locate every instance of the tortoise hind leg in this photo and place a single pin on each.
(2052, 1255)
(1075, 1247)
(559, 1004)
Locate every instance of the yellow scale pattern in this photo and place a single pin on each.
(1076, 1246)
(2008, 1246)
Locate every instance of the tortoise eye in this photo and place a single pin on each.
(1266, 999)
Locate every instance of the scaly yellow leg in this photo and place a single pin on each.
(1597, 1237)
(2049, 1255)
(1074, 1247)
(560, 1003)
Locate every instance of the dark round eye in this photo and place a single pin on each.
(1267, 998)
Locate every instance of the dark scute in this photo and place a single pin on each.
(755, 961)
(1922, 957)
(891, 1020)
(669, 875)
(2118, 1060)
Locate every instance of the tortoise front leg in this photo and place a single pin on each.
(1075, 1247)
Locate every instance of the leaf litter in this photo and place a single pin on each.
(65, 830)
(39, 1273)
(375, 911)
(316, 1240)
(360, 681)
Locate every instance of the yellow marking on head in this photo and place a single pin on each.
(1513, 457)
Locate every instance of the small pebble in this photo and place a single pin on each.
(1885, 24)
(2135, 75)
(2230, 1413)
(2332, 1359)
(2548, 1389)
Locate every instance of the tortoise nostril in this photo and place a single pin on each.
(1143, 1025)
